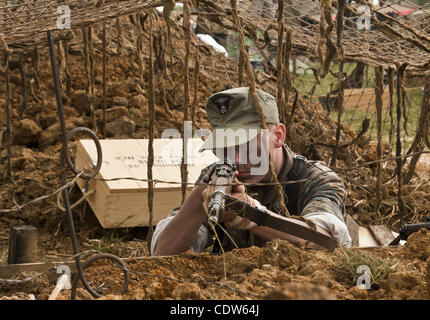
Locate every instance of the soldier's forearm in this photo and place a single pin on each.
(179, 234)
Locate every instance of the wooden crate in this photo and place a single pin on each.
(124, 203)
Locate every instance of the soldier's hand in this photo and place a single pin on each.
(230, 218)
(238, 191)
(205, 196)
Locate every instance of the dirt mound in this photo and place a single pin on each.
(418, 244)
(251, 274)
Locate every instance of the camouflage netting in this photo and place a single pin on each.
(23, 23)
(398, 29)
(397, 32)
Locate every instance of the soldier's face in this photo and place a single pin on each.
(251, 158)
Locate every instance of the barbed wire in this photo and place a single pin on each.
(26, 279)
(18, 207)
(380, 160)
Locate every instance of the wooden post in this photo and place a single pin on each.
(340, 107)
(187, 41)
(22, 245)
(151, 114)
(399, 163)
(287, 120)
(8, 118)
(294, 65)
(379, 91)
(280, 99)
(104, 81)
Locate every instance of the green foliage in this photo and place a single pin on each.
(233, 48)
(355, 117)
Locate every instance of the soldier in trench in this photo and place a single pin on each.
(319, 198)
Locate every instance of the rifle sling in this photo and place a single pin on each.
(280, 223)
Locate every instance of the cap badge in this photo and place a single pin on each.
(222, 104)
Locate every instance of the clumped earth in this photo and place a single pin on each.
(277, 271)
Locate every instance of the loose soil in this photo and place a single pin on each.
(277, 271)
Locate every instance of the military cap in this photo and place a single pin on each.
(233, 118)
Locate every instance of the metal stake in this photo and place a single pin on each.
(63, 167)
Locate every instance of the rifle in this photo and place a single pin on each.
(224, 176)
(406, 230)
(220, 200)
